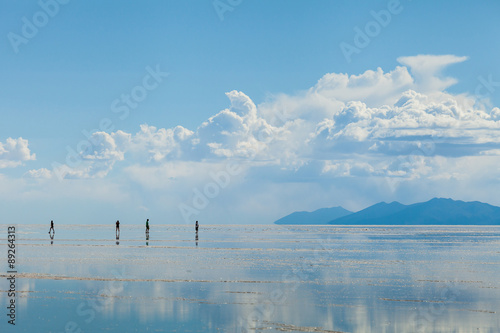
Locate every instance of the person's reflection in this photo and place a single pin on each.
(147, 238)
(196, 238)
(117, 239)
(52, 238)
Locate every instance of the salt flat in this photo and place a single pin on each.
(256, 279)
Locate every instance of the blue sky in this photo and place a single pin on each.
(328, 139)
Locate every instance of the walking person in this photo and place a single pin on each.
(117, 229)
(196, 226)
(52, 227)
(147, 226)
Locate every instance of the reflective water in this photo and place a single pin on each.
(255, 279)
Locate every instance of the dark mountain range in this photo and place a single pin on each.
(437, 211)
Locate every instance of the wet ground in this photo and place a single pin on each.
(254, 279)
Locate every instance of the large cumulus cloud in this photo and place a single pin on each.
(400, 123)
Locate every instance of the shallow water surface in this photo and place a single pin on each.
(255, 279)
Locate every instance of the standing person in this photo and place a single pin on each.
(117, 228)
(196, 226)
(52, 226)
(147, 226)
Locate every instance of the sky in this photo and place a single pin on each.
(238, 111)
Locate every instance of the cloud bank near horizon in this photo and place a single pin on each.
(376, 129)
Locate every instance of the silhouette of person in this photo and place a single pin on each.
(117, 229)
(147, 226)
(196, 226)
(52, 226)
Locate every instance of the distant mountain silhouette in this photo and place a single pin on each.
(437, 211)
(377, 211)
(320, 216)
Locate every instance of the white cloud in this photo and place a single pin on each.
(372, 87)
(155, 144)
(98, 157)
(427, 71)
(349, 168)
(42, 173)
(412, 124)
(14, 152)
(236, 132)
